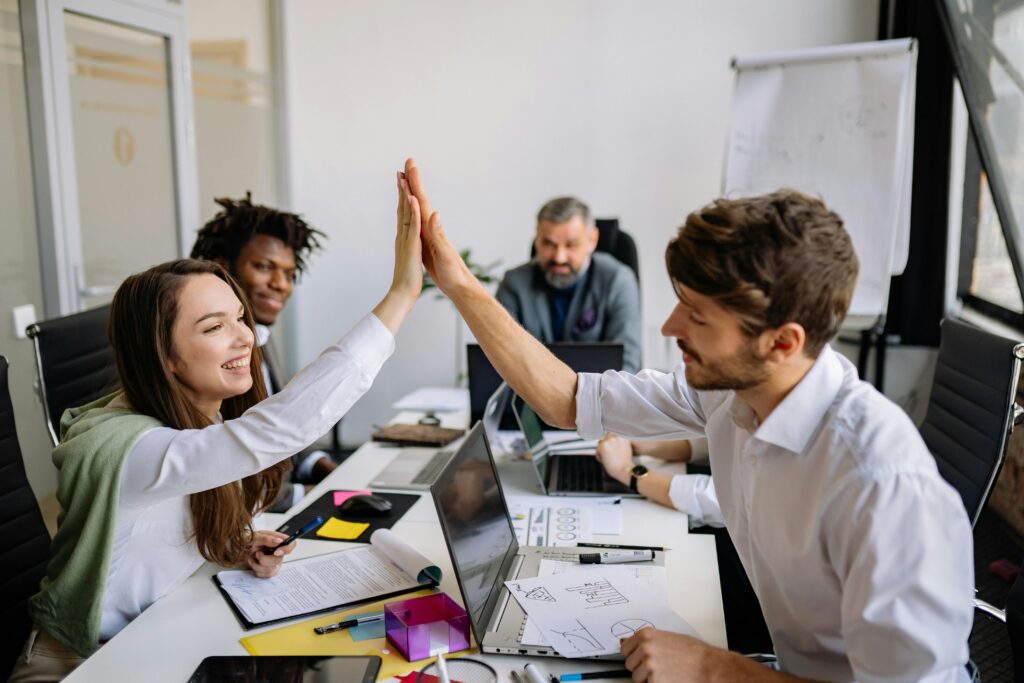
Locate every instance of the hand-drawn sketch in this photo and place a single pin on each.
(591, 612)
(599, 593)
(625, 628)
(580, 638)
(535, 593)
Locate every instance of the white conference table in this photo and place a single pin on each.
(168, 640)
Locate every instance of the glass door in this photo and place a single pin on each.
(110, 114)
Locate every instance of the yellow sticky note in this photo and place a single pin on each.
(340, 530)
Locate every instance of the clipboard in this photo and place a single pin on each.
(249, 625)
(325, 582)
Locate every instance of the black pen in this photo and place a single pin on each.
(614, 673)
(349, 623)
(621, 547)
(316, 521)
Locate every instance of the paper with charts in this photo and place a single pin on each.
(585, 614)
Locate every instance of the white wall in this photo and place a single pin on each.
(505, 105)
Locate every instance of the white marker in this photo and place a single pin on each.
(442, 669)
(533, 674)
(617, 557)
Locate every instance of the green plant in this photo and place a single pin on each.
(484, 273)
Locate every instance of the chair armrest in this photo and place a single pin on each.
(990, 609)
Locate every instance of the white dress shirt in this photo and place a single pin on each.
(304, 469)
(154, 549)
(860, 554)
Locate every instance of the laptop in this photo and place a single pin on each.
(415, 469)
(482, 544)
(576, 473)
(580, 356)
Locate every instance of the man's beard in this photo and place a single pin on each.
(562, 280)
(742, 370)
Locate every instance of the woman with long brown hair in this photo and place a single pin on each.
(171, 469)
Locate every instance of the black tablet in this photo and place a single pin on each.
(357, 669)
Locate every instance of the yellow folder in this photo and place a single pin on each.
(300, 639)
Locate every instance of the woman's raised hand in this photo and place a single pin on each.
(407, 281)
(408, 276)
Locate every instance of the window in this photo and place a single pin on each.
(988, 49)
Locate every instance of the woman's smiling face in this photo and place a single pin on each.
(211, 343)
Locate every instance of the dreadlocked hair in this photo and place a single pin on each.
(240, 220)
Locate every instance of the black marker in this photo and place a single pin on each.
(621, 547)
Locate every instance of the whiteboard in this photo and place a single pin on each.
(837, 123)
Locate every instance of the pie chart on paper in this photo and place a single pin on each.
(627, 627)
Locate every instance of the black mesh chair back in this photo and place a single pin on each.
(26, 545)
(612, 240)
(75, 362)
(618, 243)
(972, 410)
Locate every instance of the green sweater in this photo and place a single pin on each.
(95, 439)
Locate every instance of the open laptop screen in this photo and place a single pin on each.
(475, 520)
(534, 435)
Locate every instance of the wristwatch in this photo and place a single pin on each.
(638, 472)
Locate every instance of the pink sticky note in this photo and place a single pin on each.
(341, 496)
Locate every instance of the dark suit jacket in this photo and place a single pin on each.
(605, 306)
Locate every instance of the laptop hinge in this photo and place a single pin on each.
(504, 596)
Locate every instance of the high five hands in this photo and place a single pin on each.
(442, 260)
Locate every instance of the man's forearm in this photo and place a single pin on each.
(655, 487)
(533, 372)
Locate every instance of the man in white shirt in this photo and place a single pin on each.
(265, 250)
(860, 554)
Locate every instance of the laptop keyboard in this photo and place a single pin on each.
(579, 473)
(429, 473)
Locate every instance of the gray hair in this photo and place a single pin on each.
(563, 209)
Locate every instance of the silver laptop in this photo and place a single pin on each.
(415, 469)
(482, 544)
(576, 473)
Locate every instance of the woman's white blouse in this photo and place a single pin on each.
(154, 550)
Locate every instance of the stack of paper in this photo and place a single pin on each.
(585, 610)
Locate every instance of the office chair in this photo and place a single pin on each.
(972, 410)
(74, 362)
(614, 241)
(26, 546)
(1013, 618)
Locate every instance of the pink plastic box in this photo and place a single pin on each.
(422, 627)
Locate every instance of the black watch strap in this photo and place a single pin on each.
(638, 472)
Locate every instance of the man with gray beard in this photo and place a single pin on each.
(569, 293)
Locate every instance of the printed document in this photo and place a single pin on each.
(387, 565)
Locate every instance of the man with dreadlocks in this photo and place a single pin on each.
(266, 250)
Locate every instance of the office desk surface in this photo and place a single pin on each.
(167, 641)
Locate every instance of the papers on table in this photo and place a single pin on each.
(584, 610)
(567, 522)
(434, 399)
(387, 566)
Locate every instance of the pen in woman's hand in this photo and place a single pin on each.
(314, 523)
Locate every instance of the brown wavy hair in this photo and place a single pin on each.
(771, 259)
(141, 322)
